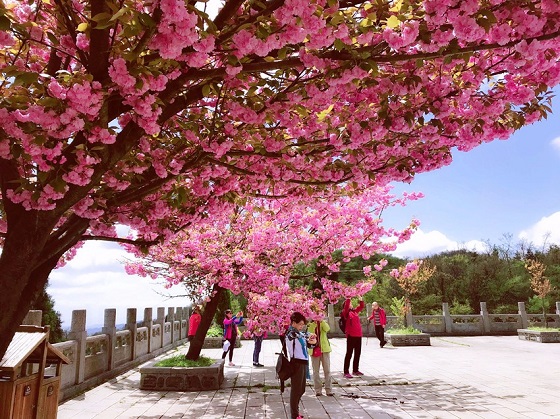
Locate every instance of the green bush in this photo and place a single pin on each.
(215, 331)
(504, 309)
(457, 308)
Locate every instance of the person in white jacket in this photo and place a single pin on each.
(297, 343)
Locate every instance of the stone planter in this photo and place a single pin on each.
(181, 378)
(542, 336)
(213, 343)
(421, 339)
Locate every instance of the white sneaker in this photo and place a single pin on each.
(231, 364)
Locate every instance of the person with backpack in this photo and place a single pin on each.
(230, 333)
(354, 333)
(321, 354)
(297, 343)
(379, 320)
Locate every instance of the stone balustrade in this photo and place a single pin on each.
(461, 325)
(96, 359)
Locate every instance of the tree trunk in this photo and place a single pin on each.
(206, 320)
(17, 296)
(29, 254)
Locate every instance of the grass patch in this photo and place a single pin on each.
(544, 329)
(403, 331)
(181, 361)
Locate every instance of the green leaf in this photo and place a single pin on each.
(58, 184)
(52, 37)
(48, 102)
(25, 79)
(146, 20)
(118, 14)
(339, 45)
(82, 27)
(100, 17)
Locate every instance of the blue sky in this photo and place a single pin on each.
(499, 188)
(504, 187)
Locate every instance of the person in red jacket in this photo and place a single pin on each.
(379, 320)
(353, 337)
(194, 322)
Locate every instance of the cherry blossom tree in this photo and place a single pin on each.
(252, 250)
(148, 114)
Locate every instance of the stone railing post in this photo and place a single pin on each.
(330, 317)
(149, 323)
(133, 327)
(33, 318)
(171, 321)
(448, 322)
(369, 310)
(110, 329)
(160, 319)
(409, 316)
(558, 307)
(523, 314)
(179, 318)
(485, 318)
(79, 334)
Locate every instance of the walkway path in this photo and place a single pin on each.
(456, 377)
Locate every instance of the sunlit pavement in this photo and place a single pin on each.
(456, 377)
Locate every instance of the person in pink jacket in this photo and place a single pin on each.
(379, 320)
(353, 337)
(194, 322)
(231, 332)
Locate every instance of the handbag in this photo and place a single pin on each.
(284, 367)
(227, 343)
(317, 349)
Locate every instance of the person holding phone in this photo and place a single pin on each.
(297, 344)
(230, 332)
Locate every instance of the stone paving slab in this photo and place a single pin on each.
(456, 377)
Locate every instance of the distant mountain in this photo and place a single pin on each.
(96, 329)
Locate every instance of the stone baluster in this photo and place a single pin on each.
(330, 315)
(171, 320)
(523, 313)
(485, 318)
(160, 319)
(448, 321)
(110, 329)
(33, 318)
(409, 316)
(79, 334)
(149, 323)
(133, 327)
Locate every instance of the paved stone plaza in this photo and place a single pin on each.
(456, 377)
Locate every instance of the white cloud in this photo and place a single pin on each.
(545, 232)
(95, 280)
(423, 244)
(556, 144)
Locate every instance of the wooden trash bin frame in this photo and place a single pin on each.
(25, 390)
